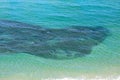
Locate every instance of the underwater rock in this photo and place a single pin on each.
(67, 43)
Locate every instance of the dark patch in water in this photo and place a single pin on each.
(17, 37)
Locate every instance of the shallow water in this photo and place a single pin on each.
(104, 59)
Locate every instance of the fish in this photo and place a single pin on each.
(49, 43)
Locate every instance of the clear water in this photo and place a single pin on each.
(104, 59)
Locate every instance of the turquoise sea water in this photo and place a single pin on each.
(104, 59)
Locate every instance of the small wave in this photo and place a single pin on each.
(83, 78)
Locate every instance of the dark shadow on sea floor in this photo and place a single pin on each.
(67, 43)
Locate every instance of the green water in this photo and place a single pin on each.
(104, 59)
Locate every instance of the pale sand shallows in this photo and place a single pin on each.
(111, 74)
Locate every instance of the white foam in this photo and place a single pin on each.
(83, 78)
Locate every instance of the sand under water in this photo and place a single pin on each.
(103, 61)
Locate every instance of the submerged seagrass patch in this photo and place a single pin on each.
(17, 37)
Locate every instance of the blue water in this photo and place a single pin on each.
(105, 58)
